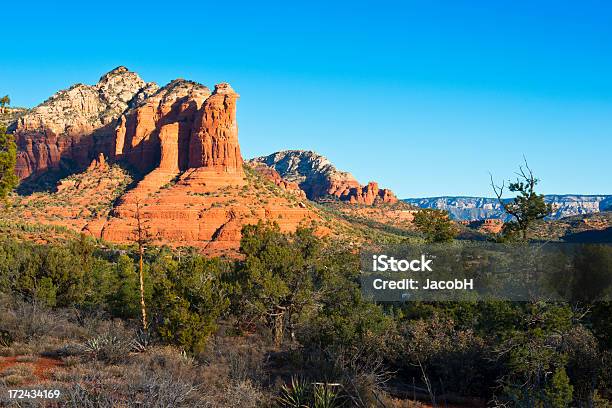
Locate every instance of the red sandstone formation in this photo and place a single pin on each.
(195, 191)
(369, 194)
(166, 118)
(98, 164)
(182, 138)
(491, 226)
(214, 143)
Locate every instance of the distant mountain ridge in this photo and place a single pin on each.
(479, 208)
(319, 178)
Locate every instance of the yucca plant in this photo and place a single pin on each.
(295, 396)
(106, 347)
(141, 342)
(95, 344)
(325, 396)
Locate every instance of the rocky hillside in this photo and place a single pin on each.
(9, 115)
(593, 228)
(480, 208)
(71, 127)
(319, 179)
(78, 201)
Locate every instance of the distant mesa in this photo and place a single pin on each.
(320, 179)
(481, 208)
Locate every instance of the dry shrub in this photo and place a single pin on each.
(162, 389)
(76, 395)
(448, 355)
(237, 358)
(25, 321)
(238, 394)
(16, 349)
(70, 361)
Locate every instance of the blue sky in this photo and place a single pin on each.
(426, 97)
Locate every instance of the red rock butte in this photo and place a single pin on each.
(182, 137)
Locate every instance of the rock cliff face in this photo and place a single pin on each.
(318, 177)
(74, 125)
(10, 115)
(160, 125)
(369, 195)
(214, 143)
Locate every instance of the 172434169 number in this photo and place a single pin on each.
(34, 394)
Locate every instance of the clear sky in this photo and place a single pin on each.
(426, 97)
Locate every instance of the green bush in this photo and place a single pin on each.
(188, 299)
(124, 289)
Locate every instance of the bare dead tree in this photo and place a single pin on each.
(142, 238)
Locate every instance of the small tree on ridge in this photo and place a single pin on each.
(527, 207)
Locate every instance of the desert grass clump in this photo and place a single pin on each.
(17, 374)
(28, 358)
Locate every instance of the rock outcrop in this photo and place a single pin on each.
(319, 179)
(181, 127)
(272, 175)
(214, 143)
(10, 115)
(369, 195)
(98, 164)
(75, 125)
(486, 226)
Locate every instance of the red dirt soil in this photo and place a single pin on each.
(42, 365)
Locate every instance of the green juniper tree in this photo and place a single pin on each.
(8, 159)
(277, 275)
(526, 208)
(435, 225)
